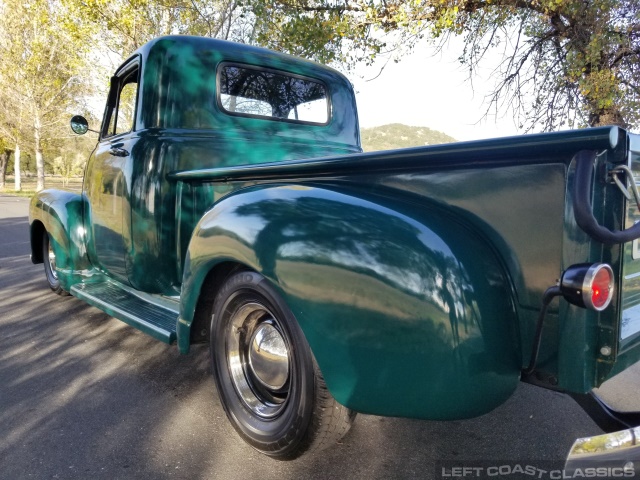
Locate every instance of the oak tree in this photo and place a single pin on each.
(574, 62)
(125, 25)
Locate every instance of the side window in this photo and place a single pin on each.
(121, 107)
(127, 107)
(253, 92)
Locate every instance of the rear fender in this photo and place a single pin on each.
(59, 213)
(407, 309)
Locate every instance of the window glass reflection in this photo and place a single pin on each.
(126, 108)
(261, 93)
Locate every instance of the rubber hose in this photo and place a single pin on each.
(583, 209)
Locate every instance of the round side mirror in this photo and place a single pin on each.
(79, 124)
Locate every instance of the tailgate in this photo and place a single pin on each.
(629, 335)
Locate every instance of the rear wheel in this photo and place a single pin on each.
(49, 260)
(269, 383)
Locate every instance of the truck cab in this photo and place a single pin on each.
(177, 102)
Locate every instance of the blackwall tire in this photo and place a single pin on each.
(269, 383)
(49, 259)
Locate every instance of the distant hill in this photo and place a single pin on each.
(396, 135)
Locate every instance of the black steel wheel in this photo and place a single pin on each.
(49, 260)
(269, 383)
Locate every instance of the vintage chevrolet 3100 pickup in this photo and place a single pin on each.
(227, 201)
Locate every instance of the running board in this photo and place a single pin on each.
(154, 319)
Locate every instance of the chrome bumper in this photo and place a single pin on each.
(617, 454)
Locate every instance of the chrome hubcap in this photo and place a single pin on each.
(268, 357)
(258, 359)
(52, 262)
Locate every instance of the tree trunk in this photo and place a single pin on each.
(4, 162)
(16, 167)
(39, 169)
(39, 159)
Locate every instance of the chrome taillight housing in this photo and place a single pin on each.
(589, 285)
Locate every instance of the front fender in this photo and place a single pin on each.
(60, 214)
(406, 308)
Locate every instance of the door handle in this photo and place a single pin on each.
(118, 152)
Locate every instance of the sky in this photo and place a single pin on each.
(428, 90)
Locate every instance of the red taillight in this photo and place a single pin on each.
(601, 288)
(588, 285)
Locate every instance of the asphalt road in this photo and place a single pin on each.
(82, 395)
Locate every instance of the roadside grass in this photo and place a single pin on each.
(73, 184)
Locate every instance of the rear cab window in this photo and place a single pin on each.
(269, 94)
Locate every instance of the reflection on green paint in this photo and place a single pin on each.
(415, 274)
(390, 301)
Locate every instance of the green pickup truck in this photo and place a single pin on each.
(228, 201)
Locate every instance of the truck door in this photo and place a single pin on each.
(110, 173)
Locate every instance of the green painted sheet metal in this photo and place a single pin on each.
(539, 148)
(60, 213)
(153, 319)
(179, 91)
(628, 334)
(416, 274)
(406, 309)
